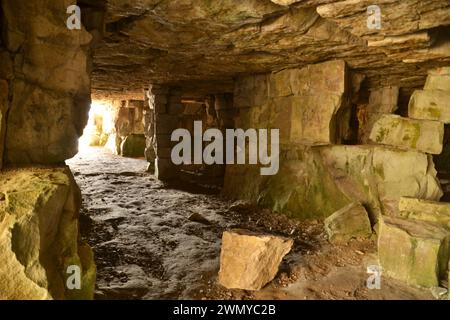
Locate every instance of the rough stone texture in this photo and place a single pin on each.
(212, 41)
(381, 101)
(3, 110)
(315, 182)
(307, 105)
(133, 146)
(416, 252)
(421, 135)
(352, 221)
(419, 209)
(438, 79)
(248, 260)
(430, 105)
(39, 236)
(51, 87)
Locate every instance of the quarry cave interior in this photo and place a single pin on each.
(225, 150)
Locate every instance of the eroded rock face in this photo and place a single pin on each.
(215, 40)
(415, 252)
(50, 90)
(39, 236)
(248, 260)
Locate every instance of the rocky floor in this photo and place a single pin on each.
(146, 247)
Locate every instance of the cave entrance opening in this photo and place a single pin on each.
(99, 128)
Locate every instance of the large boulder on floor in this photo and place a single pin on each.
(419, 209)
(39, 238)
(430, 105)
(249, 260)
(133, 146)
(416, 252)
(352, 221)
(422, 135)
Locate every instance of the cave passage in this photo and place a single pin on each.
(149, 242)
(349, 200)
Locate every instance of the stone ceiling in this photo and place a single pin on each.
(208, 42)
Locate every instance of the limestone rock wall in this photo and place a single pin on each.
(38, 236)
(44, 102)
(317, 178)
(49, 84)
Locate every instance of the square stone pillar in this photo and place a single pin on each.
(167, 107)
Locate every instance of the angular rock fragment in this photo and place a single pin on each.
(422, 135)
(352, 221)
(39, 236)
(416, 252)
(430, 105)
(249, 260)
(419, 209)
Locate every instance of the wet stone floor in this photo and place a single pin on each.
(146, 247)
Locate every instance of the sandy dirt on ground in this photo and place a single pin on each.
(146, 247)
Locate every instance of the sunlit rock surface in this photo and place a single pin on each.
(39, 236)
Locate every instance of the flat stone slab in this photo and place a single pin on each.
(352, 221)
(421, 135)
(249, 260)
(419, 209)
(416, 252)
(430, 105)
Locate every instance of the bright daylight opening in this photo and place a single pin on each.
(99, 128)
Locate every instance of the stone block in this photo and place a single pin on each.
(438, 82)
(422, 135)
(424, 210)
(249, 260)
(383, 100)
(430, 105)
(350, 222)
(280, 83)
(415, 252)
(314, 119)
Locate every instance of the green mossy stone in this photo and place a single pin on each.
(430, 105)
(133, 146)
(415, 252)
(421, 135)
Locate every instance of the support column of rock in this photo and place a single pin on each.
(149, 130)
(167, 106)
(415, 246)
